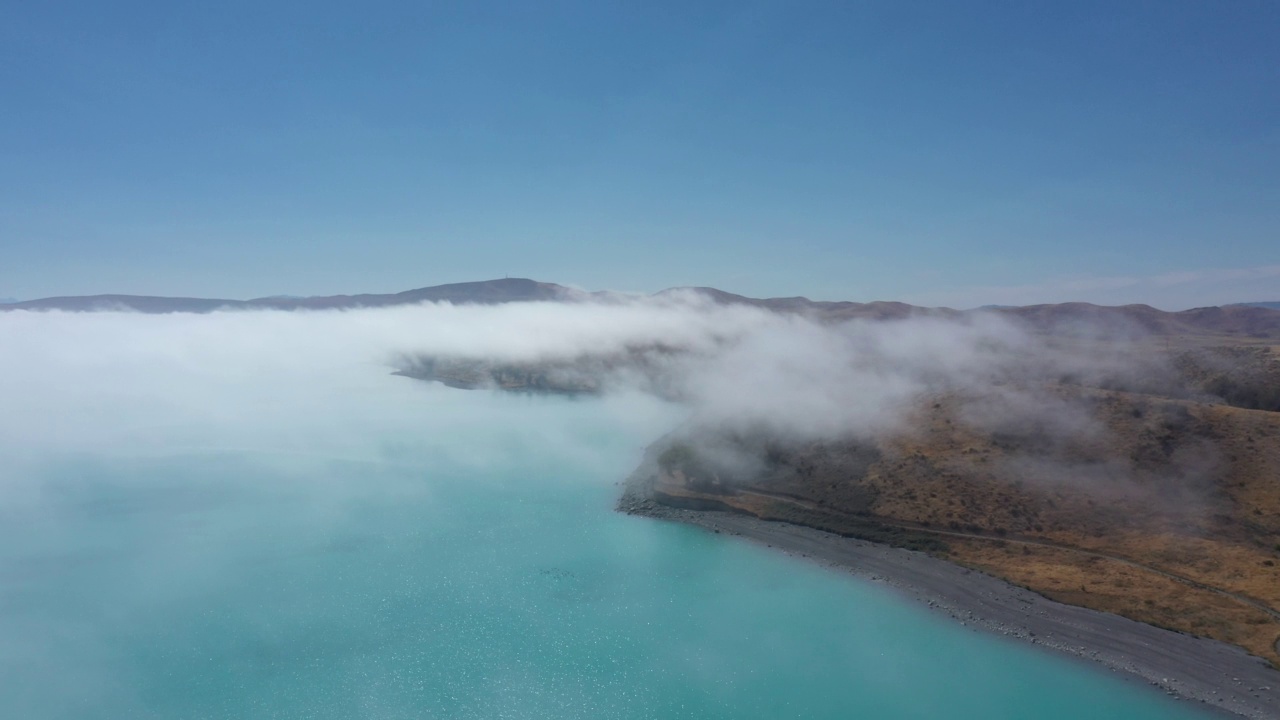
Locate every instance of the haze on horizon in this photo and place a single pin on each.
(930, 153)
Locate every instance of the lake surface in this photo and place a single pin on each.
(454, 557)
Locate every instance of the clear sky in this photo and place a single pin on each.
(932, 152)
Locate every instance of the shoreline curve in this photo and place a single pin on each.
(1220, 678)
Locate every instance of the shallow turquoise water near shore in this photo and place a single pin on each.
(411, 583)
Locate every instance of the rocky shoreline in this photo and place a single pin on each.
(1217, 676)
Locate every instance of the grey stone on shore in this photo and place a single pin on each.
(1221, 677)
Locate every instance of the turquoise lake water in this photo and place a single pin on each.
(400, 577)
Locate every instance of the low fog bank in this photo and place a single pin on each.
(154, 464)
(295, 381)
(302, 387)
(755, 382)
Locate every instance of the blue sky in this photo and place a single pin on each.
(933, 152)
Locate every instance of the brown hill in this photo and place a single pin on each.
(1166, 511)
(1236, 323)
(1233, 323)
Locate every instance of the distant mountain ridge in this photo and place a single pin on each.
(481, 293)
(1259, 321)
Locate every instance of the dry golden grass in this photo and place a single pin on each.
(1124, 590)
(1175, 486)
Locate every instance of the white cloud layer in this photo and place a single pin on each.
(290, 383)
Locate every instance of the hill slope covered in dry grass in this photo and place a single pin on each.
(1159, 506)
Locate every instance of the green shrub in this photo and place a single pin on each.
(677, 457)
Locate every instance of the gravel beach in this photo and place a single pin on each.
(1221, 677)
